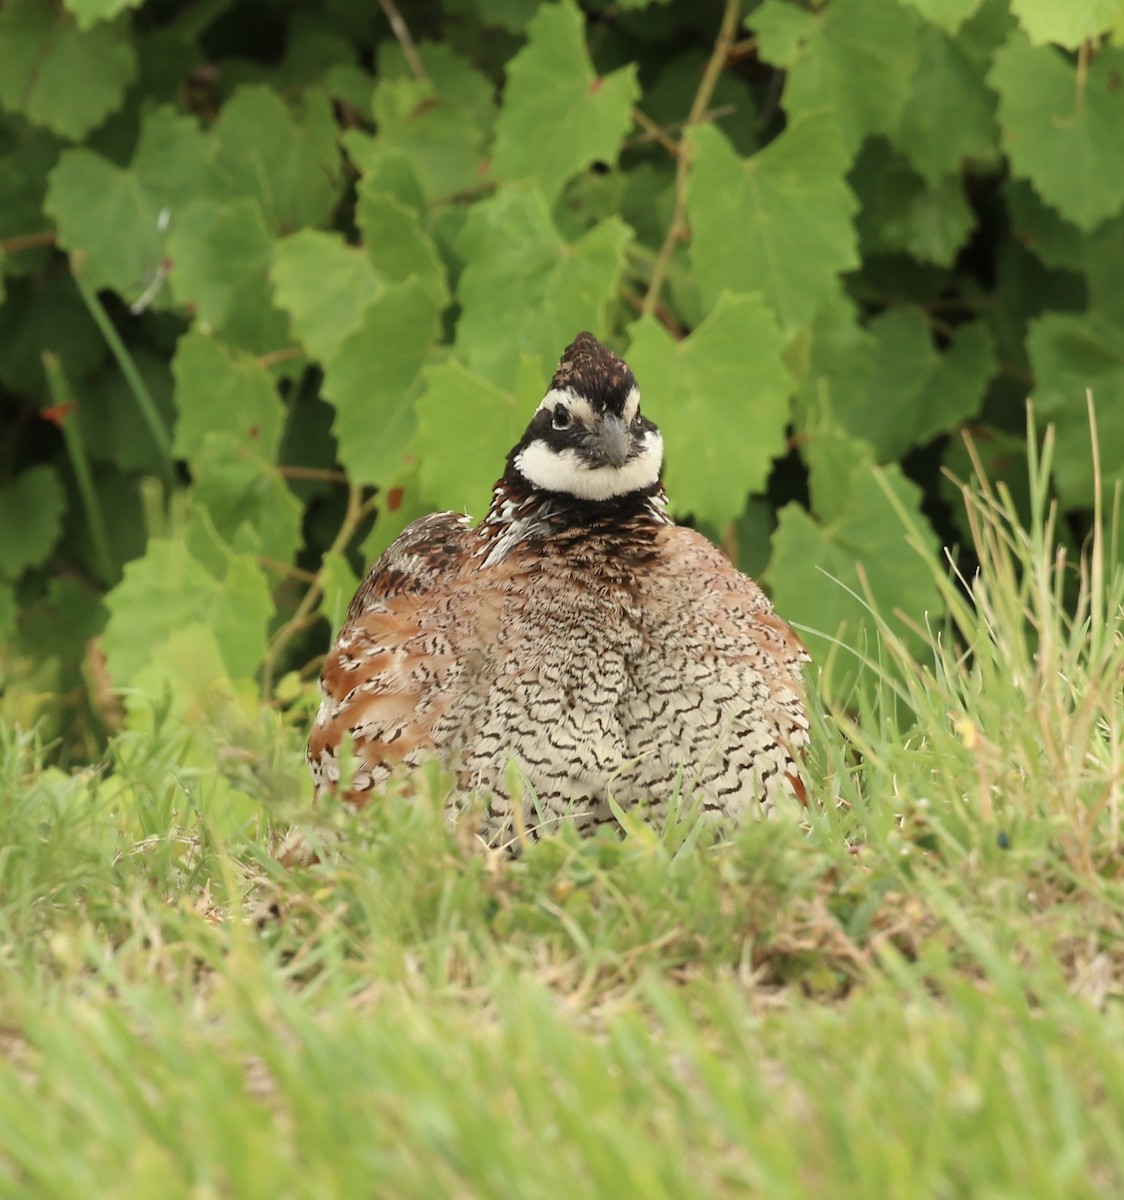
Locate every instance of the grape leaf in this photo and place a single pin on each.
(57, 75)
(778, 223)
(89, 12)
(26, 157)
(339, 583)
(31, 511)
(369, 380)
(219, 389)
(524, 288)
(458, 83)
(854, 538)
(1063, 137)
(558, 114)
(116, 218)
(901, 212)
(721, 399)
(1042, 229)
(855, 58)
(949, 118)
(466, 425)
(1067, 24)
(440, 138)
(237, 486)
(47, 316)
(887, 385)
(9, 611)
(106, 215)
(285, 158)
(220, 253)
(325, 286)
(397, 243)
(948, 14)
(107, 413)
(1070, 353)
(185, 678)
(167, 589)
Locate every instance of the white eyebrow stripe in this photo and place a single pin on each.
(631, 405)
(579, 406)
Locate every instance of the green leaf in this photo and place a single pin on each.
(107, 413)
(558, 114)
(90, 12)
(167, 589)
(57, 75)
(284, 157)
(239, 487)
(31, 511)
(855, 58)
(1069, 355)
(1063, 134)
(397, 244)
(525, 289)
(26, 157)
(902, 213)
(458, 82)
(854, 539)
(115, 217)
(721, 399)
(220, 255)
(949, 118)
(106, 215)
(220, 389)
(1042, 230)
(325, 285)
(48, 315)
(1068, 24)
(888, 386)
(466, 425)
(440, 138)
(778, 223)
(9, 612)
(370, 379)
(339, 585)
(948, 14)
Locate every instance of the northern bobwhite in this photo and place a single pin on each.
(575, 633)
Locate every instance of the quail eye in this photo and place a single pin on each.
(562, 418)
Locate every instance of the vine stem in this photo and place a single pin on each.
(707, 84)
(150, 414)
(357, 510)
(62, 400)
(402, 32)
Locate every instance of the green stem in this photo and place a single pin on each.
(62, 397)
(148, 410)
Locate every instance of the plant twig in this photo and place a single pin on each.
(287, 354)
(148, 410)
(62, 399)
(28, 241)
(654, 133)
(357, 510)
(401, 31)
(319, 474)
(708, 83)
(661, 133)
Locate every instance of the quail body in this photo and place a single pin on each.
(575, 644)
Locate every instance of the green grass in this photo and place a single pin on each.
(915, 992)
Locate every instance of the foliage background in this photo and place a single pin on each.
(278, 277)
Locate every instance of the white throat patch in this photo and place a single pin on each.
(565, 472)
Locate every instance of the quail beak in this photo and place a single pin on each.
(608, 443)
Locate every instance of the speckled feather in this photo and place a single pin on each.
(596, 645)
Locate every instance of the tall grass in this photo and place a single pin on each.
(913, 992)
